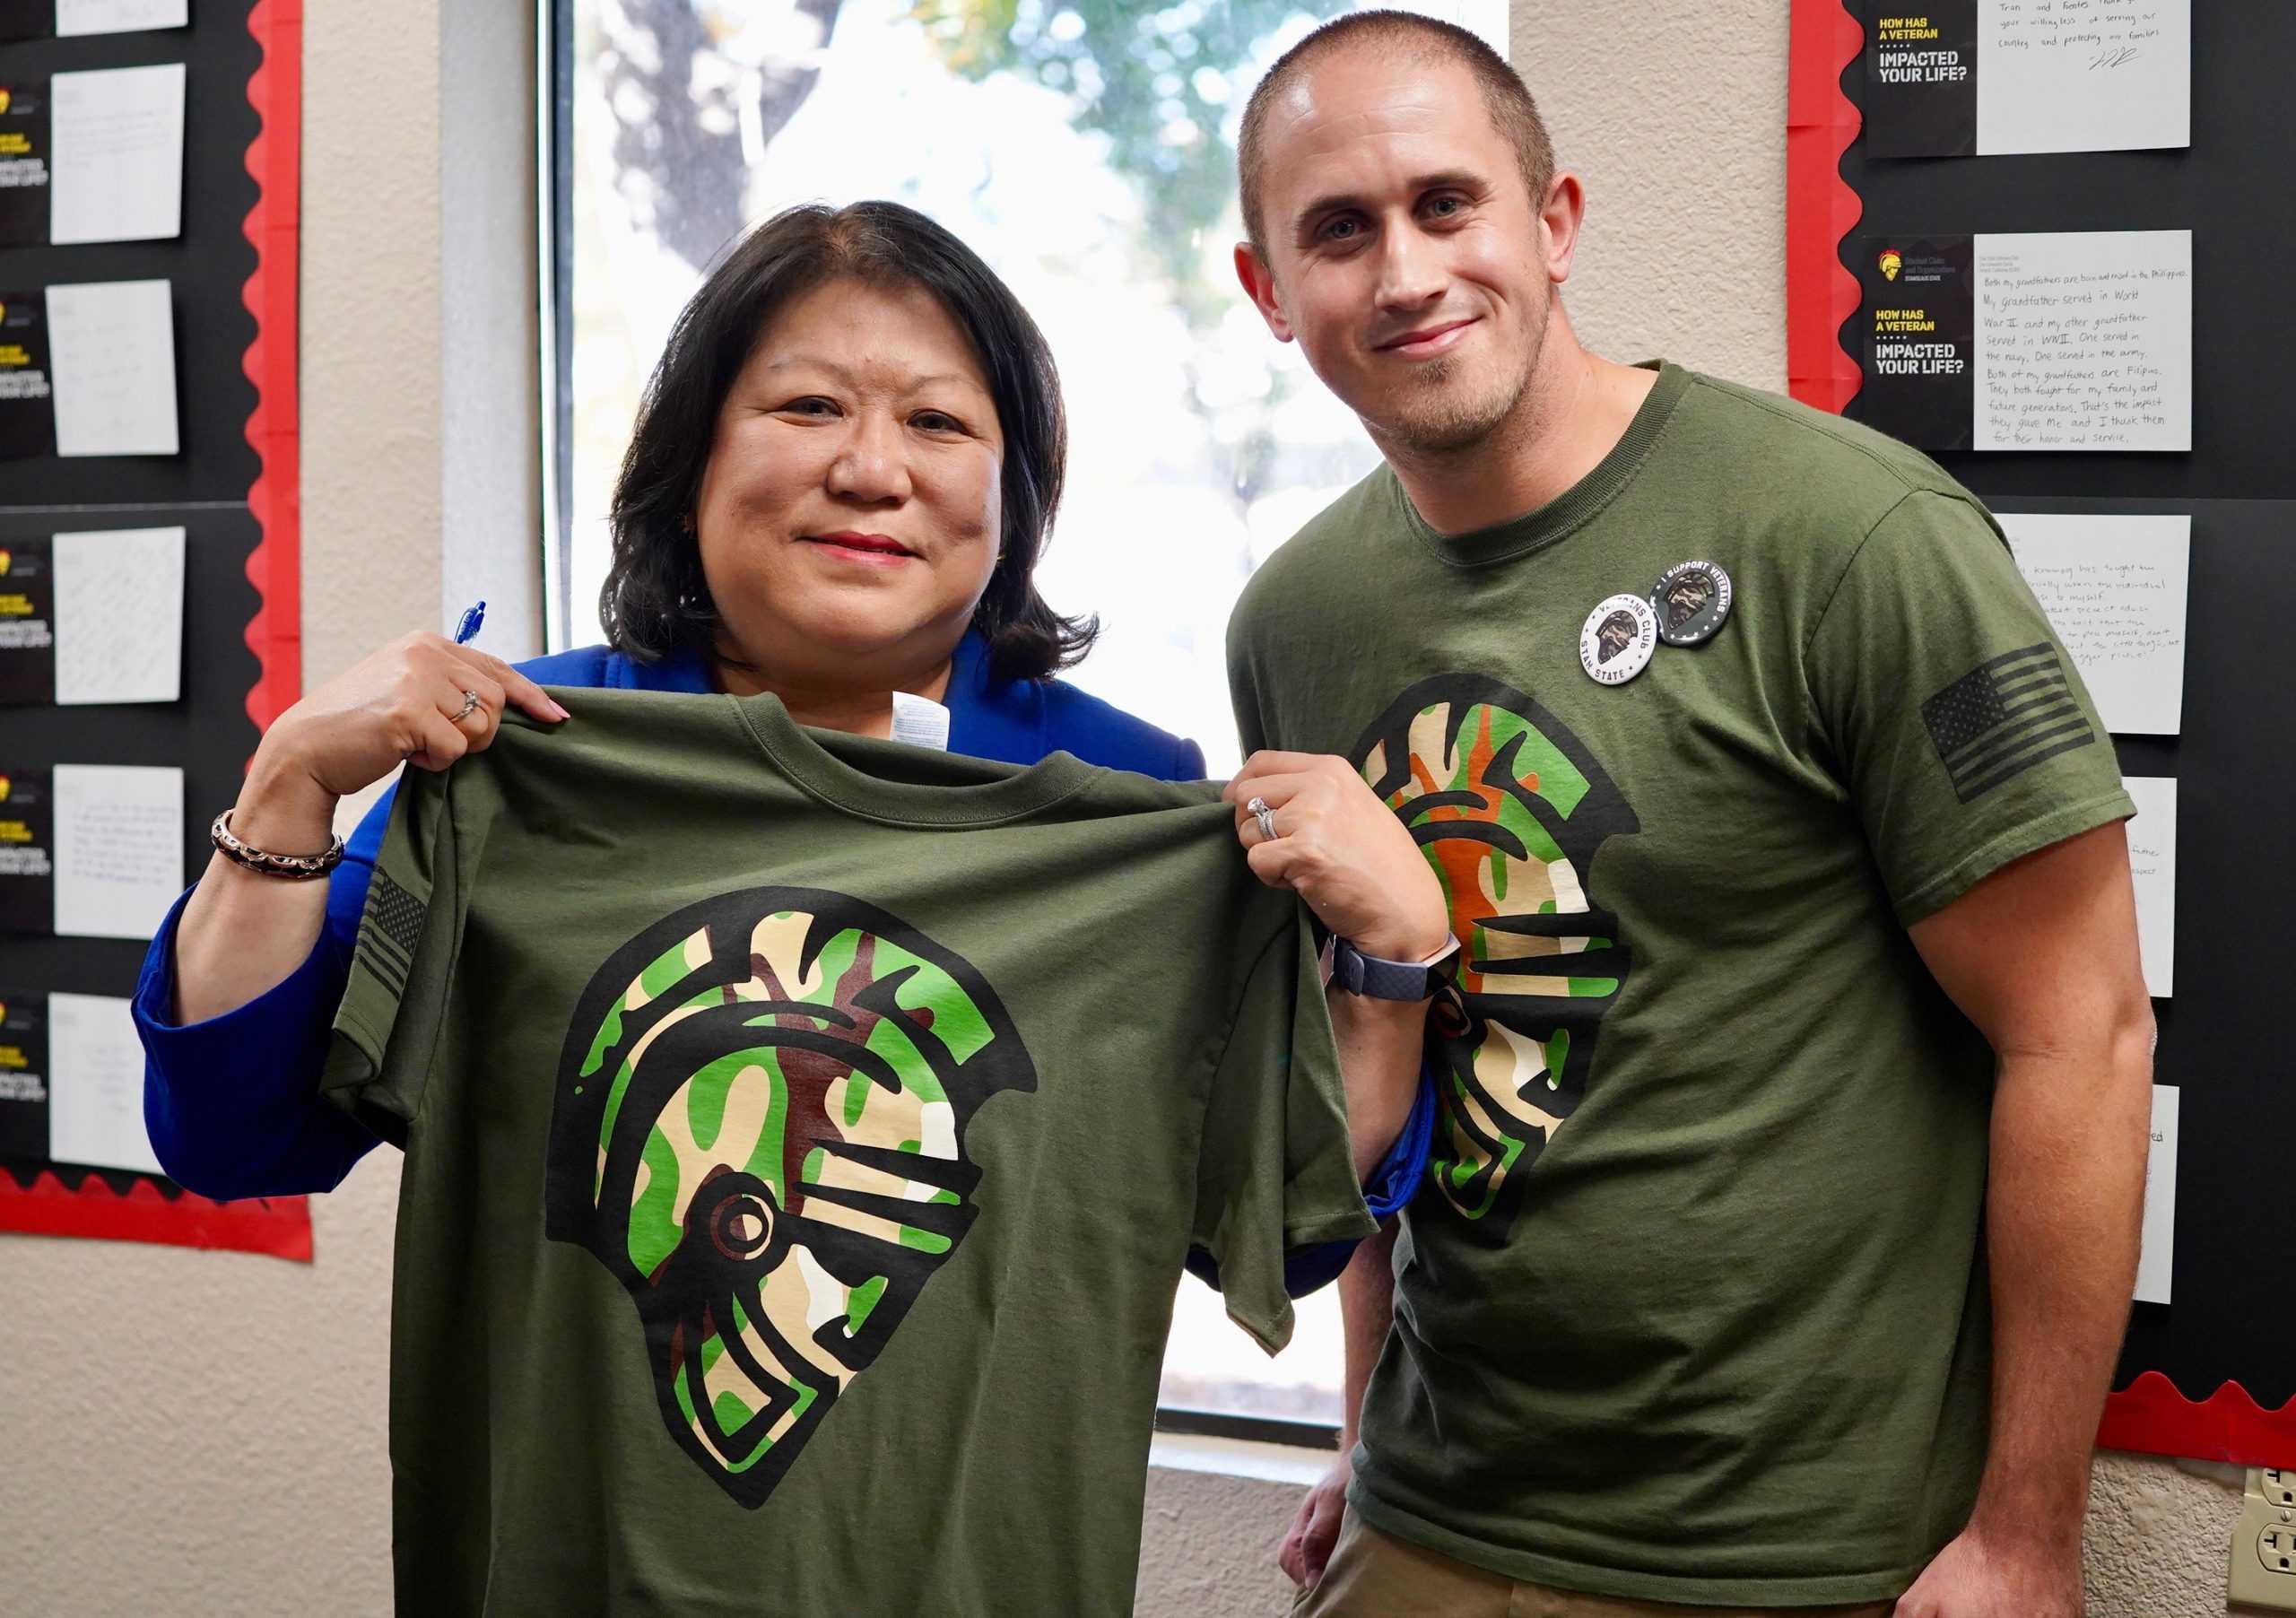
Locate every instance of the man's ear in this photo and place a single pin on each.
(1260, 286)
(1560, 215)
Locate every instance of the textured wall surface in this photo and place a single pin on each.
(193, 1434)
(1673, 115)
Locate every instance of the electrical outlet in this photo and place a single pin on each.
(2264, 1545)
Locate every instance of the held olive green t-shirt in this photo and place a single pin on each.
(804, 1134)
(1692, 1306)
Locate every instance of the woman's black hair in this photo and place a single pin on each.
(655, 601)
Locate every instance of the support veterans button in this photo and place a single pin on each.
(1617, 643)
(1692, 598)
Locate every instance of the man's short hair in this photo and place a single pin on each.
(1505, 96)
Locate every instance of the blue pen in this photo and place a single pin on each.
(472, 618)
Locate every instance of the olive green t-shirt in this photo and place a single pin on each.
(804, 1134)
(1691, 1307)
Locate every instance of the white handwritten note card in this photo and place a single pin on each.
(2156, 1256)
(118, 847)
(95, 1084)
(119, 143)
(119, 616)
(119, 16)
(112, 348)
(2084, 75)
(2114, 588)
(2153, 862)
(2084, 341)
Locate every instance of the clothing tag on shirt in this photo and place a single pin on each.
(920, 721)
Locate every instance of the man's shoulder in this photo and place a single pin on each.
(1840, 471)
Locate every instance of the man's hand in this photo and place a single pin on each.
(1975, 1577)
(1344, 851)
(1314, 1529)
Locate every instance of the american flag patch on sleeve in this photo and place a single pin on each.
(2004, 716)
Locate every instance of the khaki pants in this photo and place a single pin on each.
(1376, 1575)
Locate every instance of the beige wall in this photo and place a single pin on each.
(195, 1433)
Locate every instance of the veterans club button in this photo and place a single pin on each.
(1617, 642)
(1691, 598)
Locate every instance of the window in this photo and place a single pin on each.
(1086, 150)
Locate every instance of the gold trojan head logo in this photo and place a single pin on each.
(5, 557)
(1891, 261)
(4, 788)
(5, 97)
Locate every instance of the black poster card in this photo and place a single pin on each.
(1921, 78)
(1917, 326)
(27, 412)
(27, 622)
(27, 837)
(23, 1075)
(25, 155)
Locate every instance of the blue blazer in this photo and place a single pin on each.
(232, 1103)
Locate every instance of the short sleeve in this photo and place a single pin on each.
(1958, 722)
(1276, 1171)
(387, 1027)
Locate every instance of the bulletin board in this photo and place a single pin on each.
(2211, 1374)
(233, 488)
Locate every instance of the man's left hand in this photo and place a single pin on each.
(1976, 1577)
(1344, 851)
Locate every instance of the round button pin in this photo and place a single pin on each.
(1618, 636)
(1691, 598)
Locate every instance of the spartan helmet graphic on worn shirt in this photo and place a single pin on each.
(1510, 809)
(759, 1129)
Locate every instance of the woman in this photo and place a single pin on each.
(842, 474)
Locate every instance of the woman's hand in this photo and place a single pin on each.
(1344, 851)
(398, 703)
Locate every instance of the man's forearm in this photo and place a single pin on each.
(1367, 1310)
(1379, 1043)
(2063, 1210)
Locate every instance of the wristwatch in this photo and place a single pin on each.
(1378, 979)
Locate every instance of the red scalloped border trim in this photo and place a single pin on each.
(2150, 1414)
(278, 1226)
(1821, 208)
(274, 225)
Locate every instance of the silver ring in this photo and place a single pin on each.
(1259, 811)
(469, 706)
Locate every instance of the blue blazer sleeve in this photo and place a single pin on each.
(232, 1103)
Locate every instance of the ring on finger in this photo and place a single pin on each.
(1259, 811)
(469, 706)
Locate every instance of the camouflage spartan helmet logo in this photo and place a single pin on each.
(1509, 810)
(1687, 597)
(1617, 634)
(760, 1129)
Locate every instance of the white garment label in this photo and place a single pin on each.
(920, 722)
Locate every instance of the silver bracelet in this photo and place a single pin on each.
(292, 868)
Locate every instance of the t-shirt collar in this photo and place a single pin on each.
(899, 786)
(1566, 512)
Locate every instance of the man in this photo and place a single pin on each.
(1782, 1220)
